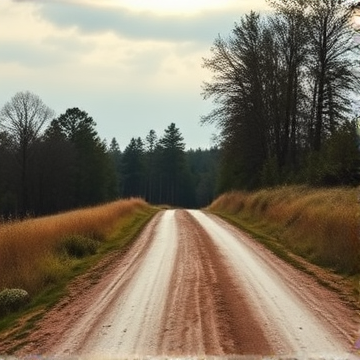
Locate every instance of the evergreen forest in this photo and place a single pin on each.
(51, 164)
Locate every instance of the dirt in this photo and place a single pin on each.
(192, 285)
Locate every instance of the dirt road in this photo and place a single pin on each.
(193, 285)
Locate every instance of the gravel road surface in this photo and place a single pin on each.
(193, 285)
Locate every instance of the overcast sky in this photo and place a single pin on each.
(132, 65)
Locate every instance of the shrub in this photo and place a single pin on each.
(12, 300)
(78, 246)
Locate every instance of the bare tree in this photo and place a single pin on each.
(331, 66)
(23, 118)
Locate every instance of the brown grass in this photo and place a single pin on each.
(29, 256)
(319, 224)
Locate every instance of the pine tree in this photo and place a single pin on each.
(172, 161)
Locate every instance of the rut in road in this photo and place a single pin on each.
(297, 315)
(206, 312)
(178, 300)
(193, 285)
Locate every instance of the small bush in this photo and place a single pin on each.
(12, 300)
(78, 246)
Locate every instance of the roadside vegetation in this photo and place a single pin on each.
(321, 225)
(41, 255)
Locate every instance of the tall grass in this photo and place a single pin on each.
(31, 256)
(321, 225)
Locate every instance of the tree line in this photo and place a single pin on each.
(50, 164)
(283, 86)
(159, 169)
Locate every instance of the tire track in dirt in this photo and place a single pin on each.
(206, 311)
(192, 285)
(298, 315)
(129, 321)
(81, 310)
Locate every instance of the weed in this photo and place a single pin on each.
(77, 246)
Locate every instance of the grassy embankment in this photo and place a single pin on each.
(320, 225)
(42, 255)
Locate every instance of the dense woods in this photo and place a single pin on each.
(162, 172)
(50, 164)
(283, 86)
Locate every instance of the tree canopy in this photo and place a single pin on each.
(282, 86)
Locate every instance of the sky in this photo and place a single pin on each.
(132, 65)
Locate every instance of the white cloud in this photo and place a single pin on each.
(131, 70)
(137, 25)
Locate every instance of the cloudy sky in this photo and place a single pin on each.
(133, 65)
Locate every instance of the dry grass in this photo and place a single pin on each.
(29, 249)
(319, 224)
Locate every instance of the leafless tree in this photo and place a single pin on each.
(23, 118)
